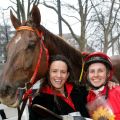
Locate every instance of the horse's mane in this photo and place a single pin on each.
(60, 46)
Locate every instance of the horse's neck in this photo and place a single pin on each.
(57, 45)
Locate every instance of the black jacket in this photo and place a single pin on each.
(47, 99)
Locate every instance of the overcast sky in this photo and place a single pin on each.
(48, 19)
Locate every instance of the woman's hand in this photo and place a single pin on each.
(112, 84)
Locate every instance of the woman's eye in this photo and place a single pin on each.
(54, 71)
(101, 71)
(91, 71)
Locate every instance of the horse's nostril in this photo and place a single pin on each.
(5, 90)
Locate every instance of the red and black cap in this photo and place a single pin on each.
(98, 57)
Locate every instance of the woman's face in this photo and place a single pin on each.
(58, 75)
(97, 74)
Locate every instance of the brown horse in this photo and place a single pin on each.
(27, 51)
(116, 65)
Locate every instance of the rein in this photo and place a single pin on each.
(28, 93)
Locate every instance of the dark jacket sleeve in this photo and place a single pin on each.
(33, 115)
(43, 100)
(79, 96)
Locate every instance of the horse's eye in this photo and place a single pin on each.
(31, 45)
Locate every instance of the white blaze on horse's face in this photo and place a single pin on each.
(18, 39)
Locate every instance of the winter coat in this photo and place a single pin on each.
(75, 101)
(99, 105)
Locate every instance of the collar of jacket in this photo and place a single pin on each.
(91, 96)
(68, 100)
(49, 90)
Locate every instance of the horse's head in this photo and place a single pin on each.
(26, 53)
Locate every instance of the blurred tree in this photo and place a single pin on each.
(22, 9)
(59, 17)
(5, 35)
(98, 21)
(107, 23)
(82, 12)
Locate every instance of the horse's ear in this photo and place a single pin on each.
(16, 23)
(36, 17)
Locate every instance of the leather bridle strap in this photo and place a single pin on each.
(28, 85)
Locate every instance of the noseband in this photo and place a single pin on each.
(28, 85)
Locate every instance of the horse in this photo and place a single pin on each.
(28, 55)
(115, 59)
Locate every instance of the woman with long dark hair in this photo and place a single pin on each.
(59, 92)
(103, 103)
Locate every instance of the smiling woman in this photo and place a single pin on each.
(103, 103)
(59, 92)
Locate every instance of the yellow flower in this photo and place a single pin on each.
(102, 114)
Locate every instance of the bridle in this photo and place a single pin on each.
(28, 86)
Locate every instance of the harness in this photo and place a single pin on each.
(28, 86)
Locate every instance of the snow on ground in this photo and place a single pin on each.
(12, 113)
